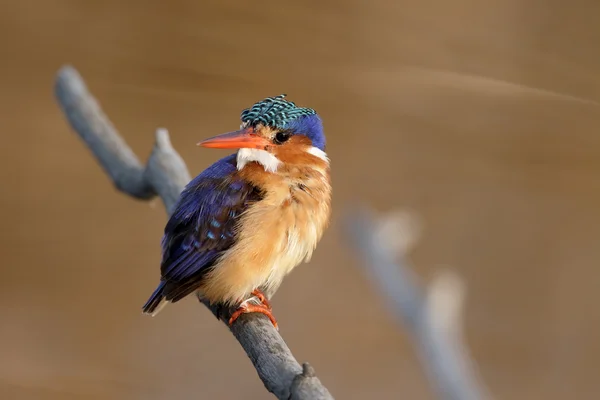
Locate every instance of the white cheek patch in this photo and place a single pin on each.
(264, 158)
(315, 151)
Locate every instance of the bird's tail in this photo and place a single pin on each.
(156, 302)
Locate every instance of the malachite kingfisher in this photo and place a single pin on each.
(250, 218)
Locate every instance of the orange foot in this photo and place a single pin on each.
(263, 308)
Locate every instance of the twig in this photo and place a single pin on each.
(432, 318)
(166, 175)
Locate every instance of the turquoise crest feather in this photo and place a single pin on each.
(276, 112)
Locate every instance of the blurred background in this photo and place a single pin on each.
(482, 116)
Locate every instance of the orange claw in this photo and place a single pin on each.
(253, 308)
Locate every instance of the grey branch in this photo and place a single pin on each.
(166, 175)
(432, 318)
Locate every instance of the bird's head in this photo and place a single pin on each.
(273, 132)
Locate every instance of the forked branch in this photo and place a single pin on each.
(165, 175)
(433, 317)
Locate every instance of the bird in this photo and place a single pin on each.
(245, 222)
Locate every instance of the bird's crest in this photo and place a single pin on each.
(275, 112)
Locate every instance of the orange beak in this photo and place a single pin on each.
(246, 138)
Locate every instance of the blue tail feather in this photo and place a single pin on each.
(155, 300)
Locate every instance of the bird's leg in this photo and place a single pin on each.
(247, 307)
(262, 298)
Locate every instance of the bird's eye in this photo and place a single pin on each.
(281, 137)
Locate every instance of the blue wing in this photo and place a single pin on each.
(201, 228)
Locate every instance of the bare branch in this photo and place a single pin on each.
(166, 175)
(433, 318)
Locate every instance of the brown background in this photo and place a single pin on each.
(483, 116)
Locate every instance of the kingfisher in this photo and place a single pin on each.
(244, 223)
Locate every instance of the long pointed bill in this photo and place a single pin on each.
(245, 138)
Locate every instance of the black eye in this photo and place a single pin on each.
(282, 137)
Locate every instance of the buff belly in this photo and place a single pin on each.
(271, 243)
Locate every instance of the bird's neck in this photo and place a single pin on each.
(308, 172)
(311, 158)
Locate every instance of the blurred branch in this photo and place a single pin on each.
(434, 319)
(166, 175)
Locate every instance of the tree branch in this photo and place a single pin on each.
(433, 317)
(166, 175)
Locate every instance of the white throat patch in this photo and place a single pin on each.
(264, 158)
